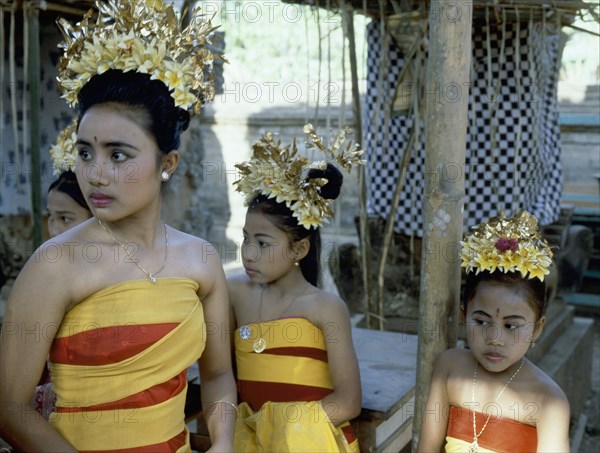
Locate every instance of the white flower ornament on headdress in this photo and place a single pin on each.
(278, 172)
(509, 245)
(143, 36)
(64, 151)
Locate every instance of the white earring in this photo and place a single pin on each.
(165, 175)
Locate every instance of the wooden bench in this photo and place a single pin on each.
(388, 363)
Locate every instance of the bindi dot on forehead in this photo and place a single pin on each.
(95, 139)
(497, 312)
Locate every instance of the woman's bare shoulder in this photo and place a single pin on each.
(193, 256)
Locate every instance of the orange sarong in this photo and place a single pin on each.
(502, 435)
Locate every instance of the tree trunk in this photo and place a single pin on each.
(447, 99)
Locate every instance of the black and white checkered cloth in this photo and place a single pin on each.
(512, 98)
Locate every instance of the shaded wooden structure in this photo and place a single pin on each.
(385, 423)
(445, 126)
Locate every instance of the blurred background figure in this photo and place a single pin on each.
(66, 205)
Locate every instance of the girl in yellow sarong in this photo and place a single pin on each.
(297, 371)
(121, 302)
(490, 398)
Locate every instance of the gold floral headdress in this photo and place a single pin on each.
(64, 151)
(509, 245)
(143, 36)
(278, 172)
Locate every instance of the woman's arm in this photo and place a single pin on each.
(553, 424)
(35, 309)
(219, 398)
(435, 420)
(344, 403)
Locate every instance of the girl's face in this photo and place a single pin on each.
(118, 164)
(501, 325)
(63, 212)
(266, 251)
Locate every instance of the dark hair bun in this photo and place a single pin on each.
(183, 119)
(139, 90)
(331, 190)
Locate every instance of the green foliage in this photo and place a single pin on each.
(272, 41)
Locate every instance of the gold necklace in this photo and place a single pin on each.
(475, 445)
(260, 344)
(151, 277)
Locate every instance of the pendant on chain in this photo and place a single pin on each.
(473, 446)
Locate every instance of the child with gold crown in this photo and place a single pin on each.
(490, 398)
(297, 372)
(132, 318)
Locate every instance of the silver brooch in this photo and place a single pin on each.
(245, 333)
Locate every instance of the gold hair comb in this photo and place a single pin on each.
(278, 172)
(509, 245)
(143, 36)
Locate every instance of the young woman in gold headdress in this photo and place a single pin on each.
(141, 294)
(297, 371)
(490, 398)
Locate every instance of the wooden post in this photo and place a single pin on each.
(365, 240)
(33, 83)
(447, 99)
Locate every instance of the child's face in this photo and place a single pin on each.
(266, 251)
(63, 212)
(501, 325)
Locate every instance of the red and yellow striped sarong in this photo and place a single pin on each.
(281, 389)
(501, 435)
(119, 365)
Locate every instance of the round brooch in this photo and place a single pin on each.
(245, 332)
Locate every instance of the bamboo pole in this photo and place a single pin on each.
(389, 228)
(365, 240)
(2, 163)
(446, 128)
(33, 76)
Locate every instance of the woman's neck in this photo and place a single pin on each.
(145, 232)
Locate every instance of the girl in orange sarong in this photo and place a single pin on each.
(122, 301)
(297, 372)
(490, 398)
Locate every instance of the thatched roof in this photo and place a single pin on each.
(565, 10)
(62, 7)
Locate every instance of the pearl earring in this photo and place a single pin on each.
(165, 175)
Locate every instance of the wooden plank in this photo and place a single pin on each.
(392, 427)
(579, 119)
(583, 299)
(592, 273)
(387, 363)
(398, 440)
